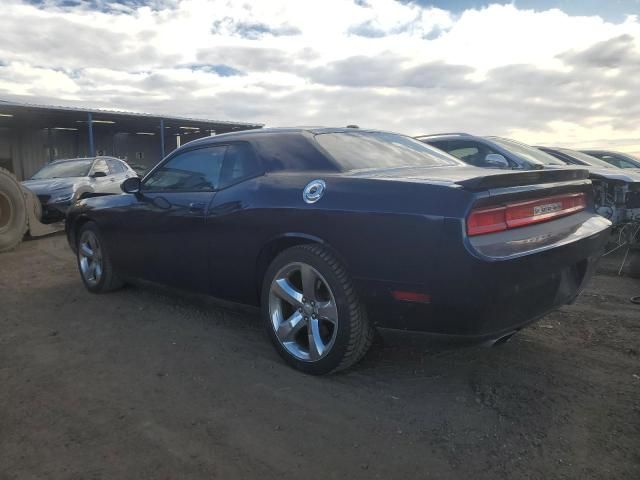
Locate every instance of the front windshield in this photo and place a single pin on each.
(73, 168)
(528, 153)
(363, 150)
(588, 159)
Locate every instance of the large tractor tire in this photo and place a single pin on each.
(634, 262)
(13, 211)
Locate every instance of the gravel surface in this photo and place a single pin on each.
(149, 383)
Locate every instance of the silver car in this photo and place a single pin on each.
(60, 183)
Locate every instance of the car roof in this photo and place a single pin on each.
(593, 150)
(435, 136)
(100, 157)
(259, 132)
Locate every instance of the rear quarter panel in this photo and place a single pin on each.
(380, 229)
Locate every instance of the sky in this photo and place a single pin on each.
(554, 72)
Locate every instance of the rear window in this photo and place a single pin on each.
(364, 150)
(588, 159)
(530, 154)
(611, 160)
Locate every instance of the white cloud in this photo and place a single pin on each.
(540, 76)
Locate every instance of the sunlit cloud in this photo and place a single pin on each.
(543, 76)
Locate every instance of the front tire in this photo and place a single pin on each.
(312, 313)
(94, 263)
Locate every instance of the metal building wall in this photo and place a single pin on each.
(33, 135)
(27, 150)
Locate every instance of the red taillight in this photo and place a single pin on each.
(486, 220)
(513, 215)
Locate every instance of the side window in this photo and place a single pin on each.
(114, 167)
(617, 161)
(468, 152)
(240, 162)
(465, 153)
(473, 153)
(101, 166)
(192, 171)
(612, 160)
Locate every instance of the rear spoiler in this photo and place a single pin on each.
(500, 179)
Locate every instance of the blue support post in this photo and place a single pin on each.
(162, 138)
(92, 148)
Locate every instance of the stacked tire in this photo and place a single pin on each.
(13, 211)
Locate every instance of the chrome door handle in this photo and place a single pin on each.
(197, 207)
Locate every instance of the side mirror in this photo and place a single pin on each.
(131, 185)
(98, 174)
(495, 160)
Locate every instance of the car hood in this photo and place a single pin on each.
(47, 185)
(473, 178)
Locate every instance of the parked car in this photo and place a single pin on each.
(617, 159)
(337, 232)
(139, 168)
(60, 183)
(611, 186)
(491, 152)
(617, 191)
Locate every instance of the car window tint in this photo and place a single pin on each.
(65, 169)
(526, 152)
(609, 159)
(240, 162)
(195, 170)
(471, 152)
(101, 166)
(617, 161)
(114, 167)
(364, 150)
(588, 159)
(465, 152)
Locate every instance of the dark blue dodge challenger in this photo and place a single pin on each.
(338, 232)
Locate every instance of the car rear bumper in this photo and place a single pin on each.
(484, 298)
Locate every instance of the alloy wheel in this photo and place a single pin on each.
(90, 257)
(303, 311)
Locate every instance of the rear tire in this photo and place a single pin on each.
(312, 313)
(94, 263)
(13, 211)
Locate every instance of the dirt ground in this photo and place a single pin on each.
(145, 383)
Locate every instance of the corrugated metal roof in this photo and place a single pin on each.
(125, 113)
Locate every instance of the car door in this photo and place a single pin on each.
(232, 230)
(161, 231)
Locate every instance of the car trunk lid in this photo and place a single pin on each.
(474, 178)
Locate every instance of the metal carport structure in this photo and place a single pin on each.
(33, 135)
